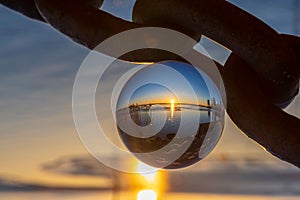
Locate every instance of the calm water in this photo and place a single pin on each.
(167, 137)
(108, 196)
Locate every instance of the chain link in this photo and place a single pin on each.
(261, 75)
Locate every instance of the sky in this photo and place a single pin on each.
(159, 83)
(38, 66)
(159, 94)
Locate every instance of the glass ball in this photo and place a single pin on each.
(170, 115)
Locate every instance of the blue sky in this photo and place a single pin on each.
(157, 91)
(37, 70)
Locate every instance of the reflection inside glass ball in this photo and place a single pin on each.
(170, 115)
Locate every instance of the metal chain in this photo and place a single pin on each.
(261, 75)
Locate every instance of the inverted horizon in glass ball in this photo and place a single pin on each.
(170, 115)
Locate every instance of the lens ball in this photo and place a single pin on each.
(170, 115)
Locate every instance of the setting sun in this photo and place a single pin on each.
(149, 182)
(147, 195)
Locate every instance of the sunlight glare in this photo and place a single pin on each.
(147, 195)
(172, 108)
(149, 173)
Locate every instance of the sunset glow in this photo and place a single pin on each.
(147, 195)
(149, 176)
(76, 123)
(150, 182)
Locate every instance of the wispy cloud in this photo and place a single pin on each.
(79, 166)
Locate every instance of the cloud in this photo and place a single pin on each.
(78, 166)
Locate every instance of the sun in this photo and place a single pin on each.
(147, 195)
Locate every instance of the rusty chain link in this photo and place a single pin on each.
(261, 76)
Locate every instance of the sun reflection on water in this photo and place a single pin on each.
(150, 182)
(172, 108)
